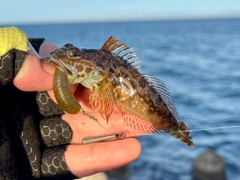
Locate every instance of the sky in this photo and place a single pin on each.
(57, 11)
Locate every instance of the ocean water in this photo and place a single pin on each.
(199, 61)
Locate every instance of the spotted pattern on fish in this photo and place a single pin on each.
(113, 75)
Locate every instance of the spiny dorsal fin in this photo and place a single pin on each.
(122, 50)
(163, 91)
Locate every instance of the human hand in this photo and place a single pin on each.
(82, 160)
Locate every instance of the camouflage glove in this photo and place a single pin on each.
(33, 137)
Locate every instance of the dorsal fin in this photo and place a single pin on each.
(122, 50)
(163, 91)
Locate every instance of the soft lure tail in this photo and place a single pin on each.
(63, 94)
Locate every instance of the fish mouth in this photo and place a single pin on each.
(51, 60)
(58, 63)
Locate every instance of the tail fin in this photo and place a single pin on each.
(183, 134)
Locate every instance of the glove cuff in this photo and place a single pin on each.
(12, 38)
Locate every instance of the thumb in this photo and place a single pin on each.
(34, 75)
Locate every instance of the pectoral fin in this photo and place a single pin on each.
(102, 98)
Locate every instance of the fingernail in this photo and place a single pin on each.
(46, 48)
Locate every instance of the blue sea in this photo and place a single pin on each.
(199, 61)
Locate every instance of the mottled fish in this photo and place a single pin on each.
(113, 75)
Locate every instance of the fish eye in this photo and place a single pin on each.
(74, 53)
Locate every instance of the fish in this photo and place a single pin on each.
(113, 75)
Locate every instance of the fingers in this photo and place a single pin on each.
(54, 166)
(55, 131)
(84, 160)
(83, 127)
(34, 75)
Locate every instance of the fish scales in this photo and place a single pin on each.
(145, 97)
(113, 75)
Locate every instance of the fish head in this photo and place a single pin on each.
(78, 66)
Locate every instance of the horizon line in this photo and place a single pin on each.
(115, 21)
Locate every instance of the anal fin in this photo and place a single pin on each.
(139, 124)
